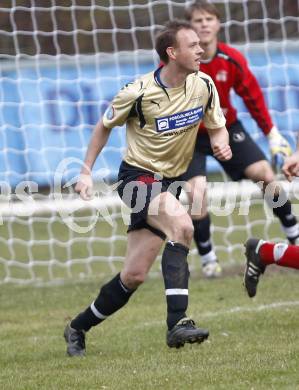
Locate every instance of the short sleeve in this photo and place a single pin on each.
(118, 111)
(214, 117)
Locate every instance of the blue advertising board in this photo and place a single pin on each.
(48, 112)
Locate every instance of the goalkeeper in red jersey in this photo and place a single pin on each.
(260, 253)
(229, 70)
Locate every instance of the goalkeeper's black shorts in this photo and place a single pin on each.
(245, 152)
(137, 188)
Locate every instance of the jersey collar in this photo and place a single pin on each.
(158, 80)
(157, 77)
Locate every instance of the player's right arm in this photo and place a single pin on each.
(98, 140)
(115, 115)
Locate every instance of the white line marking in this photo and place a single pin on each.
(244, 309)
(237, 309)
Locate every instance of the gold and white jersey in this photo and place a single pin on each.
(162, 123)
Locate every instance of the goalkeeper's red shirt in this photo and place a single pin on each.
(229, 69)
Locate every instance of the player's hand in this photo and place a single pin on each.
(84, 186)
(279, 147)
(291, 166)
(222, 152)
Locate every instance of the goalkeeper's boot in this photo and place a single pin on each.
(211, 269)
(75, 340)
(254, 266)
(185, 331)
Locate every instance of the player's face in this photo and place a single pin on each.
(206, 25)
(188, 50)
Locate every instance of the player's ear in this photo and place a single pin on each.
(171, 53)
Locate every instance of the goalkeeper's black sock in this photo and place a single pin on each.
(286, 217)
(176, 276)
(202, 238)
(112, 297)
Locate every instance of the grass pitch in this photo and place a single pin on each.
(253, 344)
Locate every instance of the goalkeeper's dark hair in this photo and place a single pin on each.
(201, 5)
(167, 37)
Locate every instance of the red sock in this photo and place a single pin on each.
(280, 254)
(266, 253)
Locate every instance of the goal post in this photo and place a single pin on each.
(61, 63)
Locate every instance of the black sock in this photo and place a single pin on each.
(285, 215)
(202, 238)
(176, 276)
(113, 296)
(202, 234)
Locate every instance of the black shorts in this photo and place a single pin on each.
(138, 188)
(245, 152)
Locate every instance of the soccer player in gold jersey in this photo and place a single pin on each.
(162, 111)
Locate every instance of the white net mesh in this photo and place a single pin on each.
(61, 63)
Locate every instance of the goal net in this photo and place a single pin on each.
(62, 61)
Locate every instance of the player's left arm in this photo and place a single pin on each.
(219, 140)
(214, 122)
(247, 86)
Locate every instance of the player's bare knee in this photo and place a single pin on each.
(182, 232)
(133, 278)
(261, 172)
(267, 182)
(269, 177)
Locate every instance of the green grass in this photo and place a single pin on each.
(253, 344)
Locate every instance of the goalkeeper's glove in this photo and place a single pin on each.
(279, 147)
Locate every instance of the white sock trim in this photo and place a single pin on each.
(279, 250)
(96, 312)
(204, 244)
(292, 231)
(176, 291)
(211, 256)
(259, 244)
